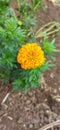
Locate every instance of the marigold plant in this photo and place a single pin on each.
(21, 63)
(31, 56)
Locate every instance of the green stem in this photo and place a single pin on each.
(18, 2)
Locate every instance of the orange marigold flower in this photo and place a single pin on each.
(30, 56)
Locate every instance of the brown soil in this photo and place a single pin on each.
(39, 106)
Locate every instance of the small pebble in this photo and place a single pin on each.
(28, 102)
(30, 94)
(52, 75)
(55, 91)
(24, 125)
(19, 120)
(31, 126)
(10, 118)
(47, 111)
(20, 94)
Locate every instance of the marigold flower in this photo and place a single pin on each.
(30, 56)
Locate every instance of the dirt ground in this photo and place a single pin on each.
(40, 106)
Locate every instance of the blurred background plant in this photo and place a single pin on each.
(27, 10)
(15, 32)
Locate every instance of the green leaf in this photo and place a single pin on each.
(18, 84)
(46, 66)
(11, 24)
(49, 46)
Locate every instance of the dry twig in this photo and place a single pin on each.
(5, 98)
(51, 125)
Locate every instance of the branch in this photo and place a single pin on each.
(55, 123)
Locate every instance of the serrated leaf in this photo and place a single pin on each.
(46, 66)
(49, 46)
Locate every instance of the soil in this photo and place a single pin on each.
(40, 106)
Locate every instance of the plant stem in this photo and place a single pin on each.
(18, 2)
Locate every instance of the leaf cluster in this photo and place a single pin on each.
(12, 37)
(49, 47)
(28, 11)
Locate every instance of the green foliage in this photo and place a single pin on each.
(37, 4)
(28, 79)
(14, 32)
(28, 14)
(11, 38)
(49, 47)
